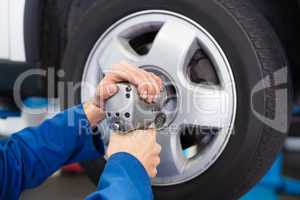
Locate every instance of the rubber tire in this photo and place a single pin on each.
(254, 52)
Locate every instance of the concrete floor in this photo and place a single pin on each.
(62, 187)
(71, 187)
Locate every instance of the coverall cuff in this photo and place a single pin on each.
(134, 169)
(93, 138)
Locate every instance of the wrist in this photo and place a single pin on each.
(93, 113)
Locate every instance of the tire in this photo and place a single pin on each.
(253, 51)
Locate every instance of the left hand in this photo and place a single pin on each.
(141, 144)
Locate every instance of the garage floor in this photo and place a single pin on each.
(62, 187)
(71, 187)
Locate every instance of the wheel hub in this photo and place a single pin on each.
(171, 104)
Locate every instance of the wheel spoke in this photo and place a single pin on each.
(172, 48)
(204, 106)
(172, 159)
(117, 50)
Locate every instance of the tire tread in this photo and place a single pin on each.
(270, 53)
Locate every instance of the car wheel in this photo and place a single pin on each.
(224, 63)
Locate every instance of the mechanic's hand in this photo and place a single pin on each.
(149, 85)
(141, 144)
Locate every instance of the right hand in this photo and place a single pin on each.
(141, 144)
(148, 84)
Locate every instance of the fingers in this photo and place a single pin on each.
(141, 144)
(107, 89)
(104, 91)
(158, 81)
(155, 162)
(153, 88)
(142, 80)
(149, 85)
(153, 170)
(153, 173)
(157, 149)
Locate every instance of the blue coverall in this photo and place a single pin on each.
(30, 156)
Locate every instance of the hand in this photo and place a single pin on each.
(149, 85)
(141, 144)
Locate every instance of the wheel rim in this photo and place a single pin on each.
(209, 107)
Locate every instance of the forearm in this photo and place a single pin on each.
(33, 154)
(123, 178)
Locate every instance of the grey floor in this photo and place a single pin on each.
(61, 187)
(70, 187)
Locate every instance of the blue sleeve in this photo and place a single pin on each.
(28, 157)
(124, 178)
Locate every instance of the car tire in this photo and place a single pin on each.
(254, 52)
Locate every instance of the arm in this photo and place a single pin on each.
(33, 154)
(124, 178)
(133, 158)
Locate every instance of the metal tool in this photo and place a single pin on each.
(126, 111)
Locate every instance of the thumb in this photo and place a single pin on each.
(112, 89)
(107, 90)
(104, 91)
